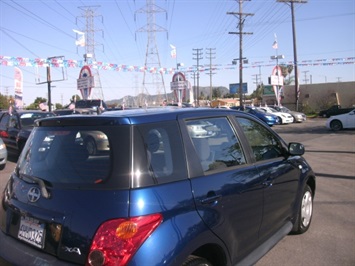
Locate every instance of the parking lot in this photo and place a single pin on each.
(331, 238)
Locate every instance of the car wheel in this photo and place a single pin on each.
(196, 261)
(280, 120)
(336, 125)
(305, 212)
(90, 145)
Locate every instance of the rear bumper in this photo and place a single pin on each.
(13, 252)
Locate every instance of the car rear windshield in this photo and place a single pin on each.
(76, 155)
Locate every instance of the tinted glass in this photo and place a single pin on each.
(28, 119)
(158, 154)
(263, 143)
(4, 120)
(74, 155)
(216, 143)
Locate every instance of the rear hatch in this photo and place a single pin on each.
(59, 195)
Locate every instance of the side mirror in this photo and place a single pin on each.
(295, 148)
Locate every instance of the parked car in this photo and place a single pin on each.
(284, 118)
(268, 118)
(94, 141)
(343, 121)
(179, 186)
(3, 155)
(298, 116)
(334, 110)
(96, 105)
(75, 111)
(16, 127)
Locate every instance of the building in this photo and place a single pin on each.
(315, 97)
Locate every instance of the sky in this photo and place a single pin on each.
(39, 29)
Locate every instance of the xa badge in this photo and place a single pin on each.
(33, 194)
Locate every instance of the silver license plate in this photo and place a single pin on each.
(32, 231)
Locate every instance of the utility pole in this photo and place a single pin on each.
(291, 2)
(241, 16)
(209, 56)
(198, 57)
(256, 79)
(49, 79)
(305, 76)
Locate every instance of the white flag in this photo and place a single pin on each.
(81, 40)
(173, 51)
(275, 46)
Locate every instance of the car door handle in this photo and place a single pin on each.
(211, 199)
(267, 182)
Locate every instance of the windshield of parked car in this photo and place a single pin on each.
(28, 119)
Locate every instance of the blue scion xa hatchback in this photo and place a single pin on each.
(172, 186)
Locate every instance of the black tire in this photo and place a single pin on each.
(336, 125)
(305, 212)
(2, 166)
(90, 145)
(280, 119)
(196, 261)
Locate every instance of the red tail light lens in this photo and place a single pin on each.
(116, 241)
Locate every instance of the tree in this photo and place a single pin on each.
(286, 71)
(216, 93)
(36, 103)
(5, 101)
(58, 106)
(75, 97)
(258, 93)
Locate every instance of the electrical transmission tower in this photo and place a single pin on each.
(89, 15)
(152, 60)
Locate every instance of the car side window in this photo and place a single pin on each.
(216, 143)
(159, 154)
(13, 122)
(263, 143)
(4, 120)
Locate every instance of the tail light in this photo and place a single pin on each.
(116, 241)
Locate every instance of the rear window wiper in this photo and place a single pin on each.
(41, 184)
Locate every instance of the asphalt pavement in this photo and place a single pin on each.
(330, 240)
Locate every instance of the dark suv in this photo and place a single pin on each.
(15, 127)
(177, 186)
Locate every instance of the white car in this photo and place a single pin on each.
(298, 116)
(3, 155)
(285, 118)
(339, 122)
